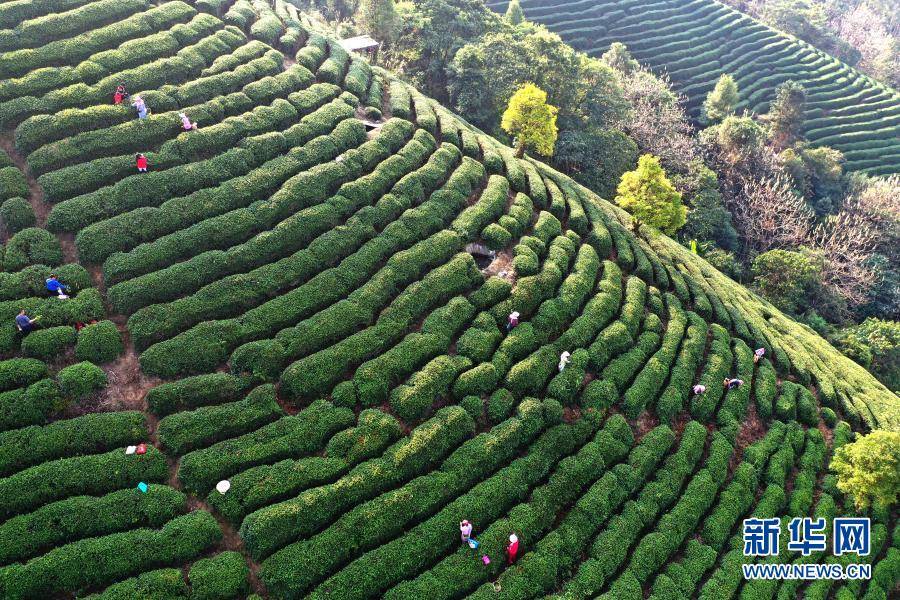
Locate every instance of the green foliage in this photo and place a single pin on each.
(16, 214)
(32, 246)
(99, 343)
(530, 120)
(875, 344)
(785, 277)
(619, 58)
(869, 469)
(650, 197)
(596, 158)
(514, 13)
(78, 380)
(222, 577)
(12, 183)
(721, 100)
(379, 19)
(786, 113)
(48, 343)
(79, 517)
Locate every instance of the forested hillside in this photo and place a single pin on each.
(284, 363)
(696, 41)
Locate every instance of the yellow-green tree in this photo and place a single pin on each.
(531, 120)
(869, 469)
(650, 197)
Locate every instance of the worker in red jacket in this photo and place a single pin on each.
(141, 162)
(512, 549)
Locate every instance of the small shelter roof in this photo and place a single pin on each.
(360, 42)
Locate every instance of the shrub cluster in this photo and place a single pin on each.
(193, 392)
(88, 434)
(180, 539)
(81, 379)
(16, 214)
(80, 517)
(291, 307)
(412, 399)
(29, 406)
(610, 548)
(185, 431)
(317, 373)
(99, 343)
(288, 437)
(222, 577)
(458, 574)
(274, 526)
(555, 555)
(48, 343)
(91, 475)
(487, 499)
(681, 376)
(32, 246)
(718, 367)
(20, 372)
(265, 484)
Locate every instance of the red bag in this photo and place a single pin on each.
(141, 449)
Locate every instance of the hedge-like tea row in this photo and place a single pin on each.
(66, 51)
(648, 383)
(307, 234)
(272, 527)
(150, 40)
(268, 318)
(373, 524)
(265, 484)
(373, 380)
(319, 372)
(141, 134)
(458, 574)
(50, 27)
(810, 464)
(72, 519)
(29, 406)
(93, 474)
(193, 392)
(655, 549)
(682, 374)
(88, 434)
(242, 180)
(181, 432)
(488, 208)
(63, 569)
(19, 373)
(611, 547)
(288, 437)
(734, 405)
(303, 190)
(428, 541)
(39, 130)
(69, 182)
(717, 368)
(186, 63)
(412, 399)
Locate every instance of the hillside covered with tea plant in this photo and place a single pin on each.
(307, 295)
(696, 41)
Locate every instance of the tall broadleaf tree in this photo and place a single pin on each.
(531, 121)
(650, 197)
(379, 18)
